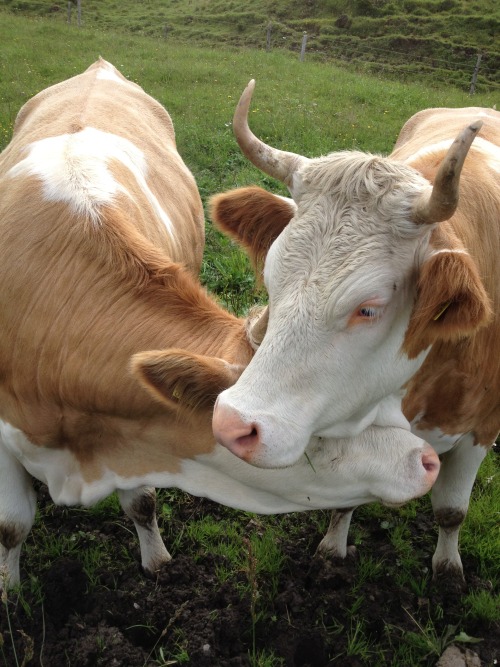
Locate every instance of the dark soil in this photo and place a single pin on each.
(186, 616)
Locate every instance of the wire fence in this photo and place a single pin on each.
(473, 71)
(466, 67)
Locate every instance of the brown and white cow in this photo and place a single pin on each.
(384, 283)
(101, 239)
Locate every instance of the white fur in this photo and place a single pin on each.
(336, 473)
(74, 169)
(452, 492)
(491, 153)
(108, 72)
(440, 441)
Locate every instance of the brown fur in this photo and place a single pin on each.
(179, 378)
(79, 297)
(457, 389)
(451, 303)
(254, 217)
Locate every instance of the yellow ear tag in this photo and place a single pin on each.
(443, 309)
(177, 393)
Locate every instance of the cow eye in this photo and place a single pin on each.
(369, 312)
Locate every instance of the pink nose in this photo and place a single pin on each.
(431, 463)
(241, 438)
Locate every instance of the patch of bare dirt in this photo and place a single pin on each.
(124, 619)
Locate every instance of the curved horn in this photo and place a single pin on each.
(442, 201)
(256, 325)
(278, 164)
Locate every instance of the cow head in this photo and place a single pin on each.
(357, 293)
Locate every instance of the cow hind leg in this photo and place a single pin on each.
(140, 506)
(450, 502)
(334, 543)
(17, 514)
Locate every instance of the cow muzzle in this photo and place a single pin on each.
(264, 443)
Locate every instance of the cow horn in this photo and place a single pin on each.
(442, 201)
(256, 325)
(276, 163)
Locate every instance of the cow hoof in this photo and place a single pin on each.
(152, 572)
(332, 553)
(449, 579)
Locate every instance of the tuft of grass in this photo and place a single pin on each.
(483, 606)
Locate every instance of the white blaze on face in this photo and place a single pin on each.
(73, 169)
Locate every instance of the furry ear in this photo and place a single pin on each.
(253, 217)
(183, 379)
(451, 302)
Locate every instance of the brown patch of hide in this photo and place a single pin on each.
(253, 217)
(451, 302)
(184, 379)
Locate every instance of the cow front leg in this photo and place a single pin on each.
(140, 506)
(450, 502)
(17, 514)
(334, 543)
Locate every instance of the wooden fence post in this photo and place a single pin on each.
(79, 12)
(474, 75)
(268, 37)
(303, 47)
(69, 11)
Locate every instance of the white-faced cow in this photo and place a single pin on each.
(383, 284)
(101, 239)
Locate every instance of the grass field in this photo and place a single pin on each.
(437, 39)
(311, 108)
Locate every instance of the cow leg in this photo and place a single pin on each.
(450, 501)
(334, 543)
(140, 506)
(17, 514)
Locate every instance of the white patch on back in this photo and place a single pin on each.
(107, 71)
(490, 151)
(74, 169)
(458, 251)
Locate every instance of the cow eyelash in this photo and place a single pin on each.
(368, 311)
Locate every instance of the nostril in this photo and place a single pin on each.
(430, 461)
(248, 440)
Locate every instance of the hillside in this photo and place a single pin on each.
(401, 38)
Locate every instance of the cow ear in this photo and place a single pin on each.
(253, 217)
(451, 302)
(182, 379)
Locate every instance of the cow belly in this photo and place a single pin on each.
(61, 472)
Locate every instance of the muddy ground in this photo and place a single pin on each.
(186, 616)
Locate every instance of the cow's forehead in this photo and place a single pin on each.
(353, 212)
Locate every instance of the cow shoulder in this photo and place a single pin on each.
(451, 300)
(183, 379)
(253, 217)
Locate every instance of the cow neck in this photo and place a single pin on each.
(453, 391)
(72, 343)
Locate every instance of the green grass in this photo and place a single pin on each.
(313, 109)
(432, 38)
